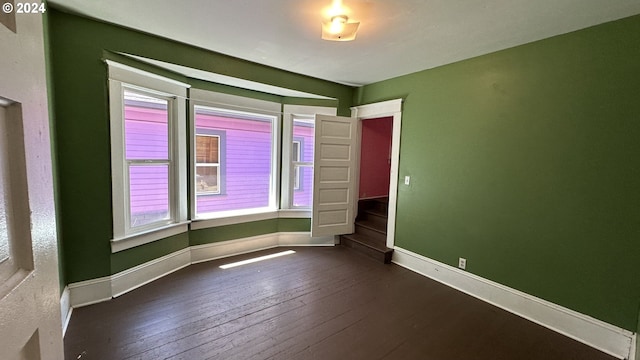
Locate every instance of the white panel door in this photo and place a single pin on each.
(30, 324)
(334, 175)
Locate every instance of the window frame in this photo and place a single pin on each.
(217, 165)
(289, 169)
(121, 78)
(235, 104)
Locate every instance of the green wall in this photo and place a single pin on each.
(526, 163)
(81, 129)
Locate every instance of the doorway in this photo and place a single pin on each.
(337, 172)
(375, 158)
(379, 152)
(387, 109)
(370, 226)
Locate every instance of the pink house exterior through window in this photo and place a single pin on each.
(238, 175)
(302, 163)
(245, 160)
(147, 157)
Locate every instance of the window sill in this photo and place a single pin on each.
(245, 218)
(146, 237)
(294, 213)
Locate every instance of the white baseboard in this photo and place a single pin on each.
(605, 337)
(90, 291)
(142, 274)
(65, 309)
(218, 250)
(102, 289)
(304, 239)
(224, 249)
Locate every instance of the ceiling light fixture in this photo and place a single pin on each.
(339, 29)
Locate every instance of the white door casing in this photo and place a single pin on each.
(30, 324)
(334, 185)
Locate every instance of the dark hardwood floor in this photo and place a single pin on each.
(319, 303)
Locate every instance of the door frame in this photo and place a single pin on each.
(30, 289)
(391, 108)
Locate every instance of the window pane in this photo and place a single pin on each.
(207, 179)
(303, 194)
(148, 194)
(245, 160)
(303, 134)
(302, 152)
(295, 152)
(146, 127)
(207, 150)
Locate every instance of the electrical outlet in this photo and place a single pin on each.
(407, 179)
(462, 263)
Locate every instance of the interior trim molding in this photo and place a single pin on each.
(89, 291)
(201, 253)
(598, 334)
(65, 309)
(377, 110)
(222, 249)
(105, 288)
(137, 276)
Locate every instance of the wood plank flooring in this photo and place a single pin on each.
(319, 303)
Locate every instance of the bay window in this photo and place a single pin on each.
(235, 144)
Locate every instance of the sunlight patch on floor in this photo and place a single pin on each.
(256, 259)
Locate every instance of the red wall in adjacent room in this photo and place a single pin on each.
(375, 157)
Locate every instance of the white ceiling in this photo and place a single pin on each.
(395, 37)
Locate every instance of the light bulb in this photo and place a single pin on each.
(337, 24)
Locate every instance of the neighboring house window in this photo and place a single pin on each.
(235, 162)
(148, 152)
(208, 163)
(298, 152)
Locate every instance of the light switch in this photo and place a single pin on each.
(407, 179)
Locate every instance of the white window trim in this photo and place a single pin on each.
(212, 99)
(149, 236)
(290, 112)
(121, 76)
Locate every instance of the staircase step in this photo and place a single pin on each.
(373, 216)
(371, 228)
(377, 205)
(364, 245)
(372, 235)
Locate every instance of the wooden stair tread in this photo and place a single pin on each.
(374, 212)
(368, 242)
(370, 236)
(372, 225)
(363, 245)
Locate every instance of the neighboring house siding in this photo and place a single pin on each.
(246, 163)
(147, 138)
